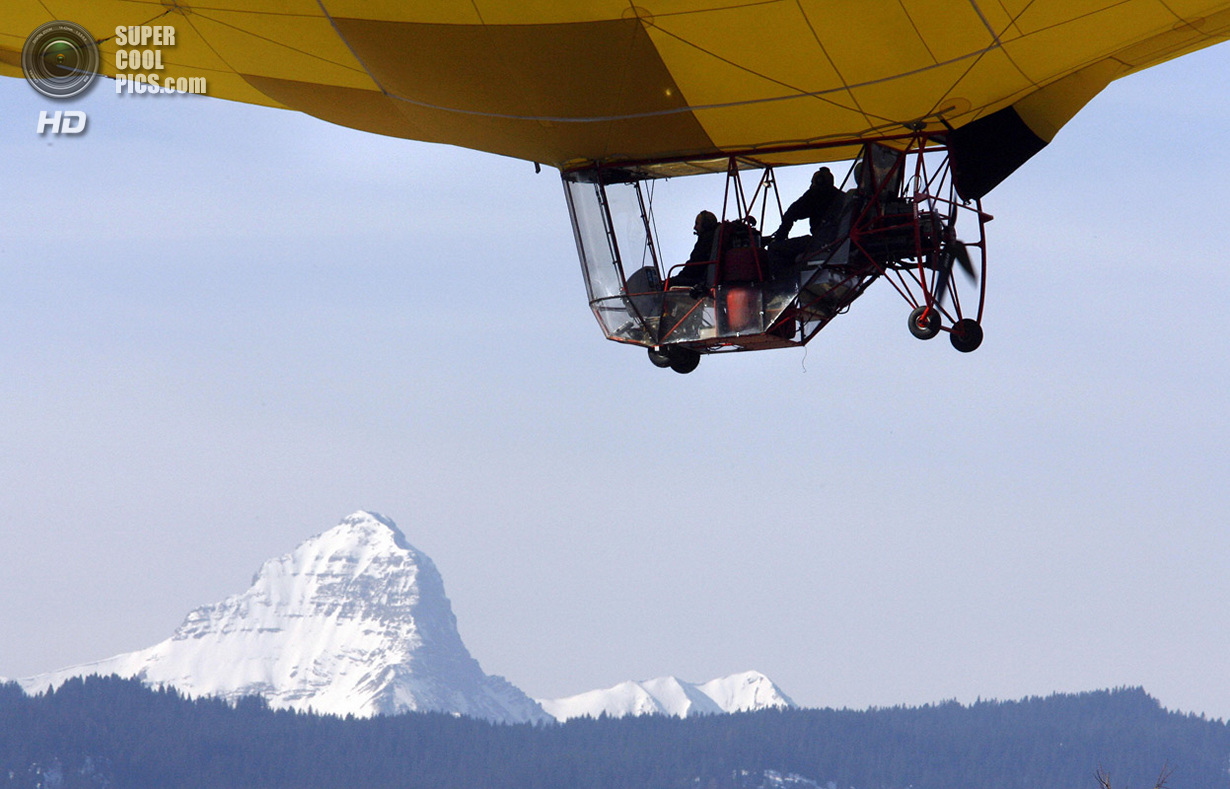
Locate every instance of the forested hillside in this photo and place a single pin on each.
(118, 733)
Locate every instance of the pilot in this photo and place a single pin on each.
(703, 251)
(815, 205)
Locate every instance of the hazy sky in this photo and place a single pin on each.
(223, 328)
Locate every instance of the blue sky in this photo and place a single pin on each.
(223, 328)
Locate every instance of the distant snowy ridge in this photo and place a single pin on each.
(745, 692)
(353, 621)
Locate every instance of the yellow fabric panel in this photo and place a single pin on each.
(428, 12)
(545, 12)
(17, 20)
(283, 46)
(697, 49)
(540, 141)
(193, 55)
(571, 71)
(842, 153)
(961, 88)
(1190, 9)
(1046, 110)
(867, 41)
(1179, 40)
(363, 109)
(950, 33)
(555, 143)
(1000, 17)
(230, 86)
(98, 18)
(10, 59)
(190, 53)
(10, 53)
(263, 7)
(1032, 17)
(1084, 40)
(981, 81)
(708, 55)
(794, 121)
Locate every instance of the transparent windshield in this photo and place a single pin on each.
(725, 290)
(611, 225)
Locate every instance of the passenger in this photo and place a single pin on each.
(815, 205)
(694, 276)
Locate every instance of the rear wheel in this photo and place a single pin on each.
(684, 360)
(966, 335)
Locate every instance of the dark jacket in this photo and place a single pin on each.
(703, 250)
(813, 206)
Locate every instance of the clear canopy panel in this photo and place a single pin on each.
(627, 283)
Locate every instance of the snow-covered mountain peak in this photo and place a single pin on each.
(356, 539)
(369, 526)
(363, 569)
(744, 692)
(363, 544)
(352, 621)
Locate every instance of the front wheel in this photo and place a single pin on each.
(659, 357)
(925, 322)
(966, 335)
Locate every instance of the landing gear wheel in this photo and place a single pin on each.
(659, 357)
(966, 335)
(924, 328)
(684, 360)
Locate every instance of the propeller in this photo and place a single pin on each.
(954, 251)
(956, 248)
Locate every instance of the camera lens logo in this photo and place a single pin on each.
(60, 59)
